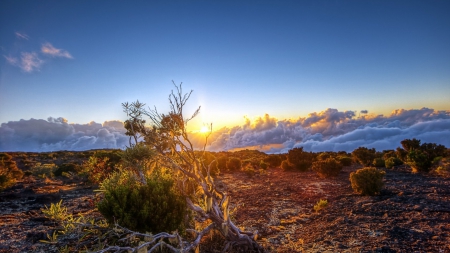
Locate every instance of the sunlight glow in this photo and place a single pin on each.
(204, 129)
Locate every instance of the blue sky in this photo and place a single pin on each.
(81, 59)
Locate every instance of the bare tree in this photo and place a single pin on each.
(168, 137)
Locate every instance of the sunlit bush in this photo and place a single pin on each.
(234, 164)
(364, 156)
(9, 172)
(44, 170)
(286, 165)
(152, 207)
(345, 160)
(273, 160)
(367, 181)
(392, 162)
(327, 168)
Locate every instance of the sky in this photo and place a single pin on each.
(269, 75)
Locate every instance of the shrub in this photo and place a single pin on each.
(263, 165)
(101, 164)
(345, 160)
(364, 156)
(321, 204)
(153, 207)
(286, 165)
(327, 168)
(249, 170)
(391, 162)
(378, 162)
(65, 168)
(44, 170)
(300, 159)
(234, 164)
(222, 163)
(9, 172)
(273, 160)
(367, 181)
(419, 161)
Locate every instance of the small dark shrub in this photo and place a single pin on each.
(378, 162)
(391, 162)
(419, 161)
(66, 167)
(364, 156)
(234, 164)
(222, 163)
(273, 160)
(249, 170)
(153, 207)
(285, 165)
(345, 160)
(327, 168)
(301, 160)
(263, 165)
(367, 181)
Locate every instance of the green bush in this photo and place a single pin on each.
(152, 207)
(327, 168)
(249, 170)
(222, 163)
(378, 162)
(367, 181)
(44, 170)
(321, 204)
(345, 160)
(391, 162)
(234, 164)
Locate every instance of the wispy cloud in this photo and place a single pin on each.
(22, 36)
(29, 62)
(49, 49)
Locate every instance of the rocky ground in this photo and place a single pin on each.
(412, 213)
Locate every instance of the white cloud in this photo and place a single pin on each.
(329, 130)
(49, 49)
(30, 62)
(40, 135)
(22, 36)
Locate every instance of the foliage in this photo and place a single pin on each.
(421, 157)
(152, 207)
(273, 160)
(321, 204)
(367, 181)
(392, 162)
(234, 164)
(301, 160)
(364, 156)
(44, 170)
(327, 168)
(345, 160)
(222, 163)
(66, 168)
(9, 172)
(378, 162)
(249, 170)
(101, 164)
(287, 166)
(263, 165)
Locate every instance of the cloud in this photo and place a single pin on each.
(48, 49)
(328, 130)
(22, 36)
(333, 130)
(40, 135)
(28, 62)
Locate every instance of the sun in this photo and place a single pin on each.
(204, 129)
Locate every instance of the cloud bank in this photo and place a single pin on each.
(328, 130)
(53, 134)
